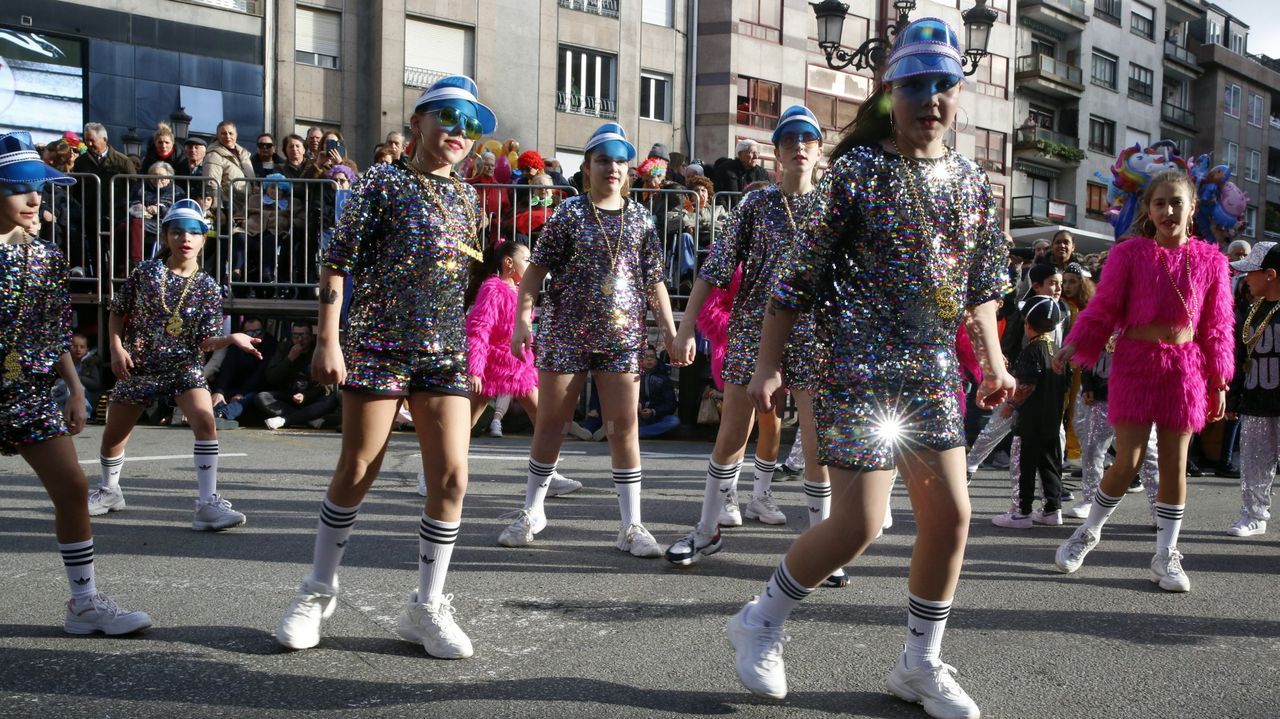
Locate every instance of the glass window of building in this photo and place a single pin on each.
(317, 37)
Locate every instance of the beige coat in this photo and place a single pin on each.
(223, 165)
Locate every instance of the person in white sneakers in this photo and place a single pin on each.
(604, 256)
(164, 317)
(1253, 398)
(35, 342)
(909, 246)
(1168, 294)
(760, 233)
(406, 239)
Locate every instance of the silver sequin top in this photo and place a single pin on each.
(35, 309)
(145, 338)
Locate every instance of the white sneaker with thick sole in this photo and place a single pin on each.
(431, 624)
(1071, 554)
(495, 428)
(100, 613)
(104, 499)
(1166, 570)
(299, 628)
(730, 515)
(763, 509)
(1079, 510)
(634, 538)
(1050, 519)
(934, 687)
(522, 528)
(692, 547)
(562, 485)
(215, 515)
(758, 654)
(1245, 526)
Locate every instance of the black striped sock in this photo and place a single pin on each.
(781, 595)
(435, 548)
(205, 455)
(1101, 509)
(926, 621)
(1168, 525)
(537, 482)
(111, 467)
(722, 479)
(77, 560)
(818, 496)
(332, 535)
(762, 475)
(627, 483)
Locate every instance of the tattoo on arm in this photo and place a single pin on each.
(978, 341)
(328, 296)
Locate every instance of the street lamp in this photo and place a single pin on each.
(872, 53)
(181, 123)
(132, 143)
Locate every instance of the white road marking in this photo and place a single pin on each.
(165, 456)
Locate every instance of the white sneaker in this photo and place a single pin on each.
(215, 515)
(1072, 552)
(495, 430)
(104, 499)
(274, 423)
(758, 653)
(933, 686)
(693, 546)
(1245, 526)
(580, 432)
(730, 515)
(299, 628)
(634, 538)
(1012, 520)
(763, 509)
(1079, 510)
(1166, 570)
(1051, 519)
(520, 532)
(100, 613)
(562, 485)
(432, 624)
(422, 483)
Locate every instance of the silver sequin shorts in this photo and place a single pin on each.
(142, 388)
(399, 373)
(28, 415)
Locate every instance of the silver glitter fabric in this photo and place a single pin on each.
(886, 277)
(585, 325)
(164, 365)
(759, 235)
(1259, 456)
(403, 250)
(35, 326)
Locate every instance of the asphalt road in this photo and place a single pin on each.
(570, 627)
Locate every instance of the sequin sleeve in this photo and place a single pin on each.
(361, 218)
(652, 270)
(1216, 321)
(1095, 324)
(988, 267)
(58, 311)
(126, 296)
(209, 308)
(810, 257)
(727, 252)
(552, 249)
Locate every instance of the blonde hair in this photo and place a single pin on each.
(163, 130)
(1142, 224)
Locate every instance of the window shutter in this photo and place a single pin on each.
(319, 32)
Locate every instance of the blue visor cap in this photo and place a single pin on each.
(796, 118)
(20, 164)
(616, 149)
(926, 47)
(611, 140)
(194, 227)
(186, 215)
(460, 92)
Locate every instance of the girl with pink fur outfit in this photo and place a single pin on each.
(1168, 295)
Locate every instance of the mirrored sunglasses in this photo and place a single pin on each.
(453, 120)
(798, 137)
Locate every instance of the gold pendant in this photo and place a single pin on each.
(607, 286)
(945, 296)
(469, 251)
(12, 368)
(173, 326)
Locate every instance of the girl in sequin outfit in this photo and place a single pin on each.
(760, 234)
(35, 336)
(406, 239)
(1168, 296)
(604, 256)
(164, 317)
(908, 246)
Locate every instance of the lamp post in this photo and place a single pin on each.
(871, 54)
(181, 122)
(132, 143)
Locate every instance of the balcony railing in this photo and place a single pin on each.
(1049, 66)
(421, 77)
(1034, 136)
(1275, 122)
(1177, 52)
(1075, 7)
(607, 8)
(1043, 209)
(1140, 91)
(585, 105)
(1180, 115)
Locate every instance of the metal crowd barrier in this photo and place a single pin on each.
(275, 232)
(70, 220)
(137, 204)
(508, 213)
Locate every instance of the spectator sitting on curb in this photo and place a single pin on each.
(293, 398)
(241, 376)
(657, 396)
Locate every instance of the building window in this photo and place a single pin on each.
(1104, 70)
(317, 37)
(833, 113)
(1102, 135)
(1255, 110)
(1250, 220)
(1213, 35)
(433, 50)
(1108, 10)
(1042, 116)
(1252, 167)
(657, 12)
(655, 97)
(1097, 204)
(248, 7)
(608, 8)
(1231, 98)
(1142, 21)
(587, 83)
(1233, 157)
(1237, 43)
(1140, 79)
(1001, 197)
(759, 102)
(1132, 137)
(763, 20)
(992, 77)
(989, 151)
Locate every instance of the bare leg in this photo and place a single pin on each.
(366, 429)
(54, 462)
(440, 422)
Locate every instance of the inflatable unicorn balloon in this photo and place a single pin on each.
(1221, 208)
(1133, 167)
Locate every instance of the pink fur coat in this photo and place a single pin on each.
(489, 324)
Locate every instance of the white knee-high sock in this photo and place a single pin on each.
(1168, 525)
(332, 534)
(763, 475)
(435, 549)
(536, 483)
(205, 454)
(1101, 509)
(721, 480)
(627, 483)
(926, 621)
(111, 467)
(77, 560)
(818, 496)
(782, 594)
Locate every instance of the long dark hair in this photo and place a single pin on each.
(491, 265)
(873, 123)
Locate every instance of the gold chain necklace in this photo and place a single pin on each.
(12, 362)
(428, 185)
(944, 292)
(1181, 298)
(174, 325)
(1251, 340)
(610, 280)
(786, 205)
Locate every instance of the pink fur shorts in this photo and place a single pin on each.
(1157, 382)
